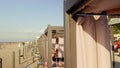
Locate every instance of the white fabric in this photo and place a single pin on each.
(59, 54)
(57, 46)
(92, 43)
(103, 44)
(101, 5)
(53, 40)
(62, 47)
(61, 40)
(80, 46)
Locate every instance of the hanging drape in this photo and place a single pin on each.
(81, 51)
(89, 34)
(92, 42)
(103, 43)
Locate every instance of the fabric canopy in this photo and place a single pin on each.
(97, 6)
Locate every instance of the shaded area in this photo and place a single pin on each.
(117, 60)
(117, 64)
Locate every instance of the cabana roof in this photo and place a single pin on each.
(56, 30)
(93, 6)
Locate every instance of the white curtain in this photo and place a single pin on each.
(103, 43)
(81, 51)
(92, 43)
(89, 35)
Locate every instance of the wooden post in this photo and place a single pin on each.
(0, 62)
(49, 46)
(19, 56)
(112, 45)
(46, 48)
(23, 51)
(13, 59)
(67, 39)
(70, 42)
(33, 59)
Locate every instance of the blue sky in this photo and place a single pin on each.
(23, 20)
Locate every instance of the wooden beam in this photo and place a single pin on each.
(67, 43)
(49, 47)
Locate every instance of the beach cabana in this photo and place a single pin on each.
(87, 37)
(55, 41)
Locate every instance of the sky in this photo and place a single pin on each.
(24, 20)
